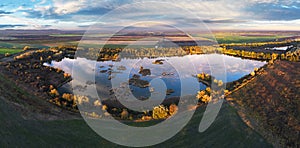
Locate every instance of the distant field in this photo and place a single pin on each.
(13, 45)
(227, 38)
(113, 46)
(65, 35)
(9, 50)
(244, 39)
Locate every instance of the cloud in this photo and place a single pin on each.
(62, 7)
(11, 26)
(42, 26)
(275, 12)
(5, 12)
(213, 12)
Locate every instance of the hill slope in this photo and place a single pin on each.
(271, 101)
(20, 127)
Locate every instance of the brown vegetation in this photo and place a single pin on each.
(271, 101)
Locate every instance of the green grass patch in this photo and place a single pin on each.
(227, 38)
(244, 39)
(9, 50)
(11, 45)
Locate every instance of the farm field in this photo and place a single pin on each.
(9, 51)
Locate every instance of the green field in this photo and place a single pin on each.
(227, 38)
(244, 39)
(9, 51)
(19, 46)
(228, 130)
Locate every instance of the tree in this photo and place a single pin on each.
(124, 114)
(26, 48)
(173, 109)
(159, 112)
(54, 92)
(206, 98)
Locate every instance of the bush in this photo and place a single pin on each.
(26, 48)
(124, 114)
(206, 98)
(97, 103)
(173, 109)
(220, 83)
(104, 107)
(54, 92)
(200, 94)
(68, 97)
(159, 112)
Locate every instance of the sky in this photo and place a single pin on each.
(190, 14)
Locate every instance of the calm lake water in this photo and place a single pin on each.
(170, 72)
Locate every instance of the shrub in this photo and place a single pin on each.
(208, 89)
(159, 112)
(215, 81)
(104, 107)
(67, 75)
(97, 103)
(94, 115)
(54, 92)
(68, 97)
(206, 98)
(146, 118)
(220, 83)
(173, 109)
(200, 94)
(81, 99)
(124, 114)
(26, 48)
(51, 87)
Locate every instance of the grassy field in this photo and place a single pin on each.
(227, 38)
(65, 35)
(227, 131)
(244, 39)
(10, 45)
(10, 51)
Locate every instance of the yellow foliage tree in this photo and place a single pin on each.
(159, 112)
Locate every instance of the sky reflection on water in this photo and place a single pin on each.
(235, 69)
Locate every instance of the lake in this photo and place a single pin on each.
(165, 80)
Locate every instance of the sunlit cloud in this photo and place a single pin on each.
(217, 14)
